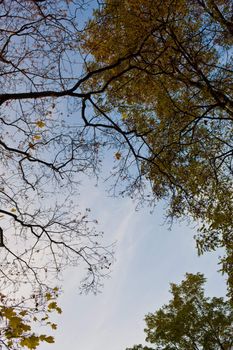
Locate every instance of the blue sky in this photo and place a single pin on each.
(148, 257)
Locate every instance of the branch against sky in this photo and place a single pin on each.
(42, 153)
(150, 83)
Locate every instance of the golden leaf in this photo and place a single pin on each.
(37, 137)
(118, 155)
(40, 124)
(124, 116)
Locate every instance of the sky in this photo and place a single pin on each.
(149, 256)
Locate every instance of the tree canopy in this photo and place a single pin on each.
(148, 82)
(171, 89)
(190, 321)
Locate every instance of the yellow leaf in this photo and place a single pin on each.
(124, 116)
(23, 313)
(40, 124)
(118, 155)
(9, 312)
(13, 210)
(37, 137)
(31, 342)
(49, 339)
(52, 305)
(48, 296)
(14, 322)
(59, 310)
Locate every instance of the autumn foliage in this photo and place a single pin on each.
(18, 316)
(147, 82)
(172, 90)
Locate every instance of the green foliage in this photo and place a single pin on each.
(190, 321)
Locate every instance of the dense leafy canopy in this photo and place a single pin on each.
(190, 321)
(172, 85)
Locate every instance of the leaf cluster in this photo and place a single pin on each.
(17, 318)
(190, 320)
